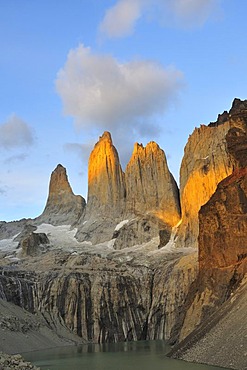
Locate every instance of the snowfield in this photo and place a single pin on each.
(63, 238)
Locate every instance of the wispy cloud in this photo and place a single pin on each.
(121, 18)
(3, 191)
(124, 98)
(81, 150)
(16, 158)
(15, 133)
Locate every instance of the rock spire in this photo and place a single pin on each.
(62, 206)
(106, 187)
(150, 187)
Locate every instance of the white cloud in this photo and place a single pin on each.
(120, 20)
(15, 133)
(123, 98)
(191, 13)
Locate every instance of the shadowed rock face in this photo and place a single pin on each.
(216, 304)
(222, 249)
(101, 299)
(223, 224)
(62, 206)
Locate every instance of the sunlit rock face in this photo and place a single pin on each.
(106, 193)
(106, 188)
(62, 206)
(208, 160)
(150, 187)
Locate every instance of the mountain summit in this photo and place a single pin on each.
(62, 206)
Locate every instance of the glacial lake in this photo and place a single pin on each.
(144, 355)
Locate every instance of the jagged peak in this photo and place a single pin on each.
(152, 146)
(106, 136)
(137, 147)
(239, 104)
(239, 107)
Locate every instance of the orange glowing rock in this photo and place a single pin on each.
(106, 189)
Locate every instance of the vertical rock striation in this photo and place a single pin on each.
(106, 187)
(150, 187)
(152, 197)
(102, 300)
(62, 206)
(106, 193)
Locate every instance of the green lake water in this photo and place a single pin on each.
(144, 355)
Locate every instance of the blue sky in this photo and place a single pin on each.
(142, 69)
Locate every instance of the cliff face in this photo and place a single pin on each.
(106, 193)
(106, 187)
(62, 206)
(101, 299)
(223, 224)
(207, 160)
(222, 234)
(222, 249)
(150, 187)
(216, 303)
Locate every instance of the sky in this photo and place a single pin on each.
(145, 70)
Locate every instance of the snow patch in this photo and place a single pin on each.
(121, 224)
(59, 236)
(8, 245)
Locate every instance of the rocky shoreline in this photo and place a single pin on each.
(15, 362)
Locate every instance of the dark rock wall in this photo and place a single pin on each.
(105, 301)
